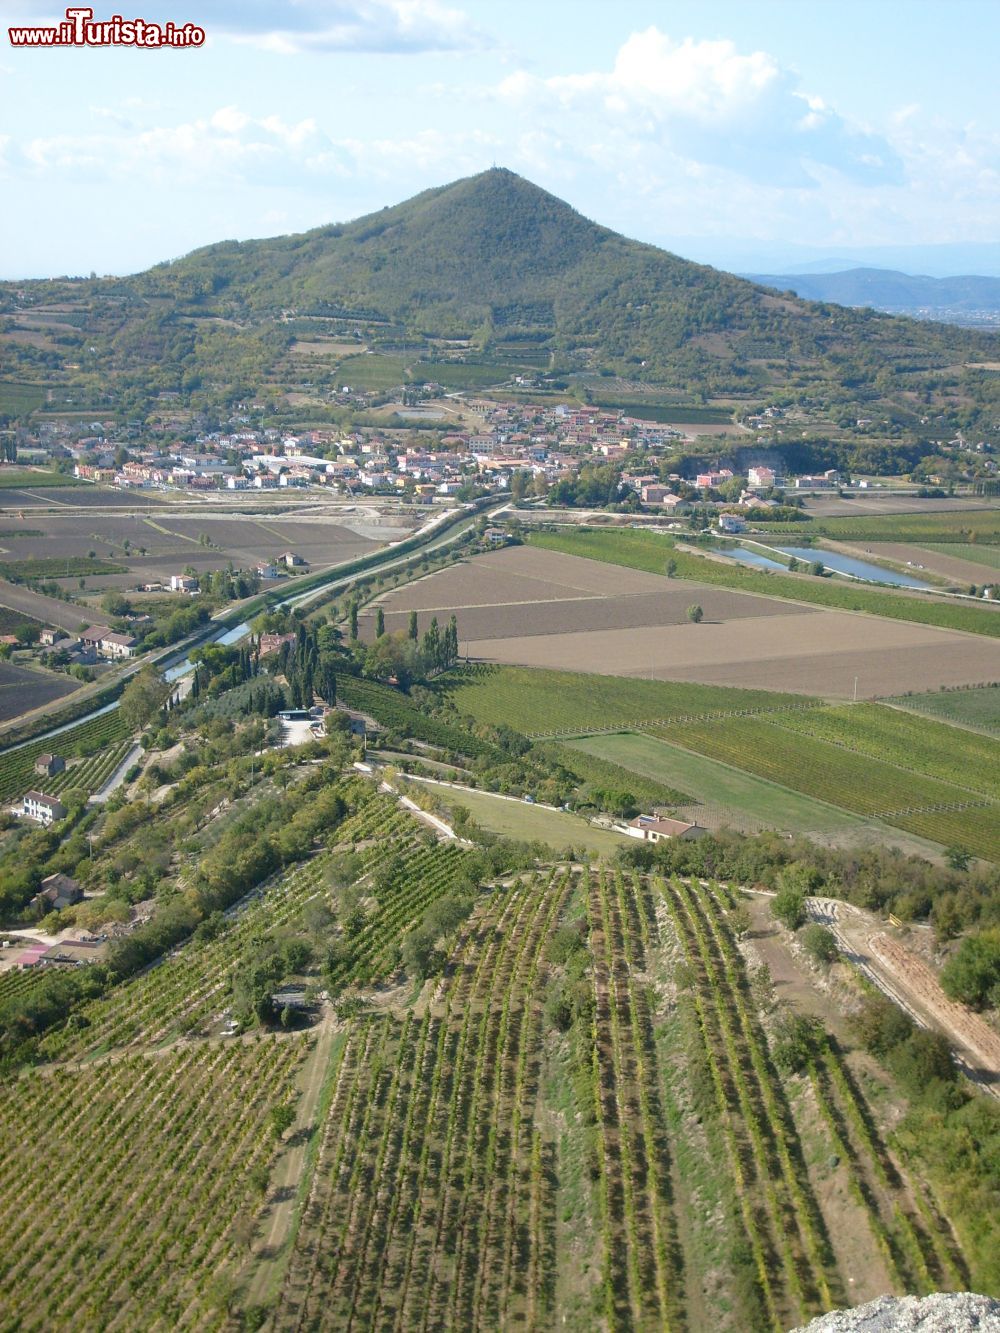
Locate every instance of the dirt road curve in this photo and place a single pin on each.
(914, 986)
(912, 973)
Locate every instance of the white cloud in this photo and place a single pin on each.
(712, 103)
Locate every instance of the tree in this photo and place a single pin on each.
(789, 905)
(958, 857)
(282, 1118)
(671, 568)
(353, 612)
(695, 614)
(973, 975)
(792, 1042)
(819, 943)
(143, 698)
(413, 630)
(379, 623)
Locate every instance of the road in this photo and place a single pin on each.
(293, 1172)
(118, 776)
(176, 653)
(910, 983)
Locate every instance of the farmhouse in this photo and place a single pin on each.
(290, 559)
(46, 809)
(93, 637)
(48, 765)
(655, 828)
(118, 645)
(183, 583)
(271, 643)
(49, 636)
(56, 892)
(732, 523)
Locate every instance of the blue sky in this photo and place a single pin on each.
(749, 135)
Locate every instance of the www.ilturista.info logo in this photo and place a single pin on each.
(80, 28)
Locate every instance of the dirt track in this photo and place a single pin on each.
(912, 984)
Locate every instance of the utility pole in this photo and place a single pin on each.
(855, 689)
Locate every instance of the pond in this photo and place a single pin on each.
(746, 556)
(859, 569)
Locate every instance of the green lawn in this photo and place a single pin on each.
(649, 551)
(531, 823)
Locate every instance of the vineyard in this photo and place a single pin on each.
(184, 993)
(542, 702)
(142, 1175)
(396, 713)
(572, 1117)
(838, 762)
(104, 739)
(489, 1183)
(979, 709)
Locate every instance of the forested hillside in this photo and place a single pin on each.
(511, 277)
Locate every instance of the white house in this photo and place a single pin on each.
(46, 809)
(654, 828)
(118, 645)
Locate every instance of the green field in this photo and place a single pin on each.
(765, 802)
(537, 701)
(732, 796)
(533, 823)
(956, 525)
(978, 554)
(57, 567)
(603, 775)
(968, 708)
(934, 781)
(373, 371)
(17, 400)
(905, 797)
(464, 374)
(648, 551)
(16, 478)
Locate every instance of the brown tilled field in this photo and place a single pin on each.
(815, 653)
(948, 566)
(166, 541)
(589, 614)
(22, 689)
(528, 607)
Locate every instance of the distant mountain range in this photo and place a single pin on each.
(971, 301)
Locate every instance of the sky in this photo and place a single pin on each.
(757, 135)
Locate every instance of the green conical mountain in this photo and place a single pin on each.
(528, 280)
(498, 257)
